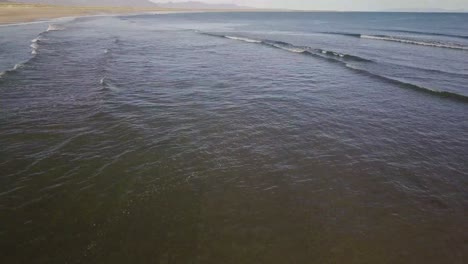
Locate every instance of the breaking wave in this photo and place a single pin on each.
(55, 27)
(403, 84)
(108, 85)
(35, 45)
(295, 49)
(243, 39)
(415, 42)
(426, 33)
(34, 50)
(16, 67)
(346, 60)
(401, 39)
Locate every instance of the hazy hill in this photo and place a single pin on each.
(426, 10)
(197, 5)
(132, 3)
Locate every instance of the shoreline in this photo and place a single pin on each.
(17, 13)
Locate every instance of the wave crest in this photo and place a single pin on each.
(55, 27)
(404, 40)
(295, 49)
(243, 39)
(426, 33)
(108, 85)
(12, 70)
(415, 42)
(346, 59)
(403, 84)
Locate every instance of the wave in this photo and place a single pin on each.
(415, 42)
(243, 39)
(108, 85)
(285, 46)
(427, 33)
(403, 40)
(35, 44)
(403, 84)
(344, 56)
(425, 69)
(35, 47)
(55, 27)
(16, 67)
(295, 49)
(346, 60)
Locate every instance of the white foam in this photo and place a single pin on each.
(244, 39)
(414, 42)
(108, 85)
(34, 47)
(17, 66)
(292, 49)
(333, 53)
(53, 27)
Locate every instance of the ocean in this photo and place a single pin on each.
(235, 138)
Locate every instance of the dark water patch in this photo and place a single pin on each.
(355, 35)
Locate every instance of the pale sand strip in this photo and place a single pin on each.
(22, 13)
(13, 13)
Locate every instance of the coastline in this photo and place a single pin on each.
(15, 13)
(18, 13)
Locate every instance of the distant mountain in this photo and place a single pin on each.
(131, 3)
(198, 5)
(426, 10)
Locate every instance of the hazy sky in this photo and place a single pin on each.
(344, 4)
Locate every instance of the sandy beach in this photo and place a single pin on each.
(11, 13)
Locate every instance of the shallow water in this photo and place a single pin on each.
(235, 138)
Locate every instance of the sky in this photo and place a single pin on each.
(345, 5)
